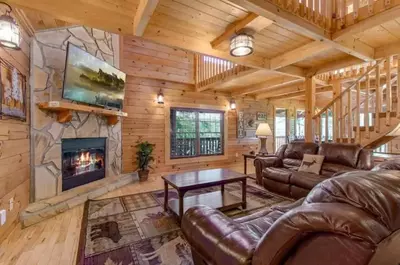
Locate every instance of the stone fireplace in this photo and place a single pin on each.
(83, 161)
(56, 166)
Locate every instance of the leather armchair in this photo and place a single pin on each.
(337, 223)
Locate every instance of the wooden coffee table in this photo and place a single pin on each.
(184, 182)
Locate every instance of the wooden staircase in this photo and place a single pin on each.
(351, 116)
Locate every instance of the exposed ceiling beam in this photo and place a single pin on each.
(82, 13)
(366, 20)
(288, 96)
(299, 54)
(270, 84)
(24, 21)
(251, 21)
(142, 16)
(335, 65)
(227, 79)
(290, 90)
(293, 22)
(387, 50)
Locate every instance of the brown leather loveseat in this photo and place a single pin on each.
(279, 173)
(351, 219)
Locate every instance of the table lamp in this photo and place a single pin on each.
(263, 131)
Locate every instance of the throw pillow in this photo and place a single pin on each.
(311, 163)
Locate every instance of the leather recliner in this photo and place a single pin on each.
(351, 219)
(279, 173)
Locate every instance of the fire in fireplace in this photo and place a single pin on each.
(83, 161)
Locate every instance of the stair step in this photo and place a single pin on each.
(383, 114)
(363, 129)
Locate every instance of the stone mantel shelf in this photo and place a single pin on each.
(64, 111)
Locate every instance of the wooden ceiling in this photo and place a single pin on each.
(286, 48)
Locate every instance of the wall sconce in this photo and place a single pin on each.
(232, 104)
(9, 30)
(160, 97)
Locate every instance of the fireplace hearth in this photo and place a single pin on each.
(83, 161)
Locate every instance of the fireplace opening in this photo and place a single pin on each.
(83, 161)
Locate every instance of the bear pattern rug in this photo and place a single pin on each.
(135, 229)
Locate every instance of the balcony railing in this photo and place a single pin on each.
(187, 147)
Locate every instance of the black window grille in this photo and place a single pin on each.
(196, 132)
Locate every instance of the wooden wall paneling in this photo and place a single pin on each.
(15, 147)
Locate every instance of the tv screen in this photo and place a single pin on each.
(90, 80)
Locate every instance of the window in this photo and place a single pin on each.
(300, 122)
(280, 127)
(196, 132)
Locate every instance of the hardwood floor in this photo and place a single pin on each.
(55, 241)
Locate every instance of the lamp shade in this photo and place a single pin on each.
(241, 45)
(263, 130)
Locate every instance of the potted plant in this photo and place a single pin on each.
(144, 157)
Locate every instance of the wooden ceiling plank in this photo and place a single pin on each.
(335, 65)
(143, 14)
(270, 84)
(292, 22)
(24, 21)
(252, 21)
(290, 90)
(387, 50)
(299, 54)
(87, 14)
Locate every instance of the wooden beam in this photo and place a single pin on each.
(251, 21)
(24, 21)
(299, 54)
(387, 50)
(367, 20)
(88, 13)
(335, 65)
(143, 14)
(291, 89)
(227, 79)
(298, 24)
(310, 107)
(270, 84)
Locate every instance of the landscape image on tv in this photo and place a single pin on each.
(90, 80)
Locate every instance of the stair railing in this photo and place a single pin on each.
(346, 117)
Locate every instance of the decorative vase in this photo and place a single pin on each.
(143, 174)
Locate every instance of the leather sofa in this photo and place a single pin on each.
(279, 173)
(351, 219)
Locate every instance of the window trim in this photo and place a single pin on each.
(196, 159)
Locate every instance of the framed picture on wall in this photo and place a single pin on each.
(261, 116)
(247, 124)
(12, 91)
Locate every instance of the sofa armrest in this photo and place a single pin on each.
(260, 163)
(216, 238)
(304, 221)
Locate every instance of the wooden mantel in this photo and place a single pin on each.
(64, 111)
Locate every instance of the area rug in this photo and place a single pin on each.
(135, 230)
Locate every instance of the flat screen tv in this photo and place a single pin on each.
(92, 81)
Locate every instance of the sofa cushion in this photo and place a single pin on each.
(306, 180)
(278, 174)
(338, 153)
(292, 164)
(336, 167)
(296, 150)
(261, 221)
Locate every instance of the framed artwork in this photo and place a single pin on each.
(13, 91)
(247, 124)
(261, 116)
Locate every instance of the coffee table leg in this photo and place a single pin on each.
(165, 196)
(244, 195)
(245, 166)
(222, 188)
(181, 195)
